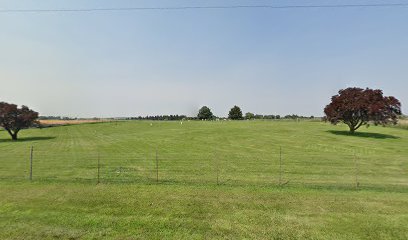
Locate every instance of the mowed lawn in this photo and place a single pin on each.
(205, 180)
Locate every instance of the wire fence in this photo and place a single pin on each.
(348, 170)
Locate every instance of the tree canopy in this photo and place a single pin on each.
(357, 107)
(13, 119)
(205, 113)
(249, 116)
(235, 113)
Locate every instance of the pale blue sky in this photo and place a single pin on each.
(268, 61)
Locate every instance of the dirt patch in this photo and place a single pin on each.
(403, 122)
(71, 122)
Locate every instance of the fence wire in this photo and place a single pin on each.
(278, 168)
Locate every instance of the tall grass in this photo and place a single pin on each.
(403, 124)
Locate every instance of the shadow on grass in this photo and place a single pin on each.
(363, 134)
(27, 139)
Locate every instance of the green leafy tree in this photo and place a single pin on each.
(357, 107)
(13, 119)
(235, 113)
(249, 116)
(205, 113)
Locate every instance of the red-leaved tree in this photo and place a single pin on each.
(357, 107)
(13, 119)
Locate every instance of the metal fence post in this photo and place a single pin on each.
(99, 166)
(157, 166)
(217, 165)
(31, 162)
(356, 171)
(280, 166)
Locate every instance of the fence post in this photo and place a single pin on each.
(99, 166)
(356, 171)
(31, 162)
(217, 165)
(280, 166)
(157, 167)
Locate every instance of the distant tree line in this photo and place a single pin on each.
(293, 116)
(403, 117)
(204, 113)
(55, 118)
(160, 118)
(235, 113)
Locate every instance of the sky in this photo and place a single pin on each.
(131, 63)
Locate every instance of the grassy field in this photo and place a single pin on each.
(318, 198)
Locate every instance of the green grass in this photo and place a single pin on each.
(318, 201)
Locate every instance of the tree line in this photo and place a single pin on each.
(57, 118)
(235, 113)
(160, 118)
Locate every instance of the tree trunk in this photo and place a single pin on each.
(14, 136)
(355, 125)
(352, 127)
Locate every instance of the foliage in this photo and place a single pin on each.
(160, 118)
(13, 119)
(56, 118)
(205, 113)
(292, 117)
(249, 116)
(235, 113)
(357, 107)
(259, 116)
